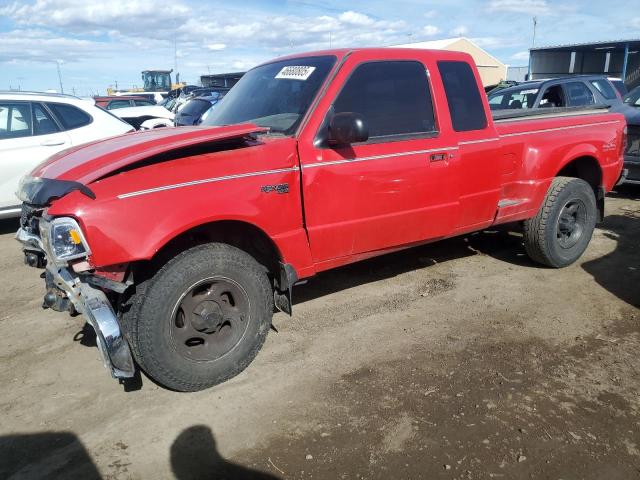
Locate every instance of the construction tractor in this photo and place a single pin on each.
(153, 81)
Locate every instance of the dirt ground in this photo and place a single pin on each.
(460, 359)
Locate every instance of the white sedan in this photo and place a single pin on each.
(34, 126)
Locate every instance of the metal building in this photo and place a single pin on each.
(618, 58)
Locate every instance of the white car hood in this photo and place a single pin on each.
(151, 111)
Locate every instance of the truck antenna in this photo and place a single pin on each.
(535, 23)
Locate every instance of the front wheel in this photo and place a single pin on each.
(561, 230)
(201, 319)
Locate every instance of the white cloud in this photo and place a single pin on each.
(44, 47)
(430, 14)
(531, 7)
(356, 18)
(80, 16)
(430, 30)
(524, 55)
(459, 31)
(141, 26)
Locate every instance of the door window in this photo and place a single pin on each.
(15, 120)
(142, 103)
(553, 97)
(463, 96)
(579, 94)
(70, 117)
(393, 98)
(43, 123)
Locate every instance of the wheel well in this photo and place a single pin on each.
(588, 169)
(242, 235)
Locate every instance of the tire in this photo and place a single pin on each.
(232, 298)
(561, 230)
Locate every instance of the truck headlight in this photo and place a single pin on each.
(66, 239)
(28, 187)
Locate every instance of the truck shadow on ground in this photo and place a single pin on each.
(45, 455)
(503, 243)
(619, 271)
(194, 456)
(61, 455)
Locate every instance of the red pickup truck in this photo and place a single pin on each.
(177, 244)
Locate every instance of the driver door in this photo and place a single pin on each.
(393, 189)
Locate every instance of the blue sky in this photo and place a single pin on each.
(99, 43)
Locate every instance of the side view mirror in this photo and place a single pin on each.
(346, 128)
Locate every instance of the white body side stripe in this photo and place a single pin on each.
(206, 180)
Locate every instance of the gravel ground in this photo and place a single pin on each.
(460, 359)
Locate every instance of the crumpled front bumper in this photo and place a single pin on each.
(91, 302)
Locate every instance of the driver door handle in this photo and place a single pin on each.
(438, 157)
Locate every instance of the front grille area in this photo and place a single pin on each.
(633, 142)
(30, 218)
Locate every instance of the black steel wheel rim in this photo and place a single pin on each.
(210, 319)
(571, 223)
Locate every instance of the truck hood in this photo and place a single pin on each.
(87, 163)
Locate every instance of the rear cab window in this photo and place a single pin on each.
(114, 104)
(393, 97)
(463, 97)
(69, 116)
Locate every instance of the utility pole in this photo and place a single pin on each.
(535, 23)
(59, 76)
(175, 52)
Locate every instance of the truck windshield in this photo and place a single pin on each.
(276, 95)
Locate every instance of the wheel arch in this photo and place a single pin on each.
(238, 233)
(586, 167)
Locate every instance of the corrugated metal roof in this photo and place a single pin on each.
(589, 44)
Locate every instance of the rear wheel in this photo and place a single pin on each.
(201, 319)
(560, 232)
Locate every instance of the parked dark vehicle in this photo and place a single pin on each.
(632, 152)
(196, 110)
(576, 91)
(209, 91)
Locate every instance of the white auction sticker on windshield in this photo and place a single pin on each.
(295, 72)
(527, 92)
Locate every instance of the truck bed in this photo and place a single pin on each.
(516, 114)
